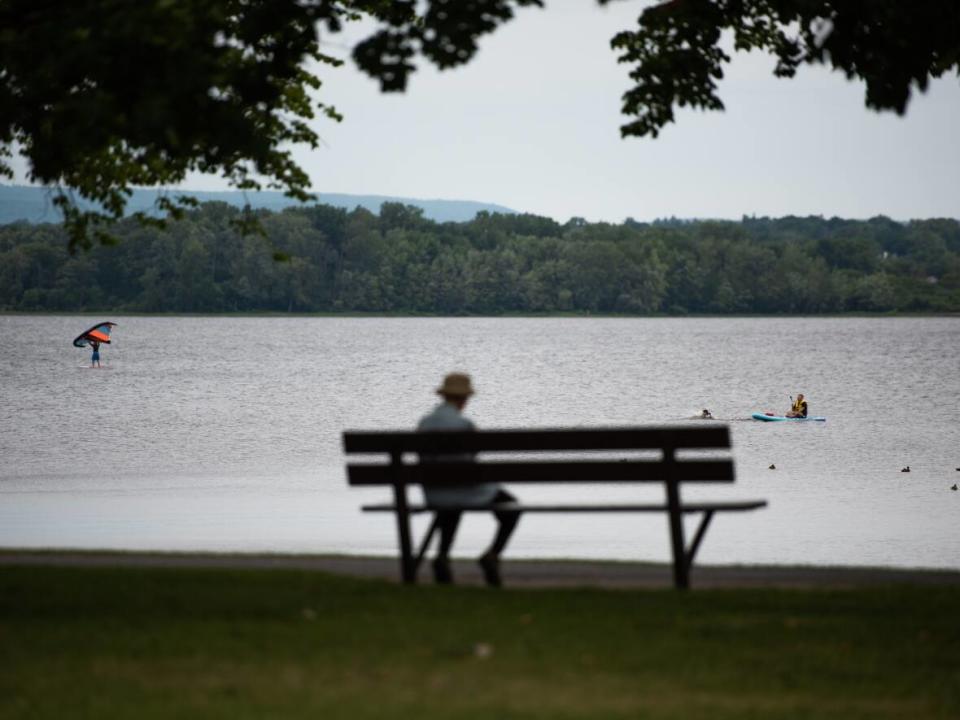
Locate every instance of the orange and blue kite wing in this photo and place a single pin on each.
(99, 333)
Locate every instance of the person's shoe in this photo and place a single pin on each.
(441, 572)
(491, 569)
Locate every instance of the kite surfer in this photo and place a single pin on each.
(94, 337)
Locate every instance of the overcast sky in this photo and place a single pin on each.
(533, 123)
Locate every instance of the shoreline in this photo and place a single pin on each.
(519, 573)
(465, 316)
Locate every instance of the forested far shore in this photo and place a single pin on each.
(400, 262)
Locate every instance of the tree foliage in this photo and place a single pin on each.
(677, 53)
(400, 262)
(104, 95)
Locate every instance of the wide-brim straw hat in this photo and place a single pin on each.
(456, 385)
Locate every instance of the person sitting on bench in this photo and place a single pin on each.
(448, 415)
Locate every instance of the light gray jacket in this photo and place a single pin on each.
(446, 417)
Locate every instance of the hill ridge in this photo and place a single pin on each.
(33, 204)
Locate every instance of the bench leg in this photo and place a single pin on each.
(701, 531)
(681, 575)
(681, 571)
(426, 541)
(408, 567)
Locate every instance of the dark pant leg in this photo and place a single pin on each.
(507, 520)
(447, 523)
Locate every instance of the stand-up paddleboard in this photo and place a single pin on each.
(100, 333)
(770, 417)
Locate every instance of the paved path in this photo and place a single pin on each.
(516, 573)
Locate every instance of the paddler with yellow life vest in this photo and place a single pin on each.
(799, 407)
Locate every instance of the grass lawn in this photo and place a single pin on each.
(169, 643)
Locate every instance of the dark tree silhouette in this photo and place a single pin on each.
(891, 45)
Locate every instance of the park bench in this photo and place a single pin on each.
(583, 456)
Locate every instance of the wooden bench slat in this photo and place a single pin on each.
(541, 439)
(453, 474)
(524, 508)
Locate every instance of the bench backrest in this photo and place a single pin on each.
(539, 455)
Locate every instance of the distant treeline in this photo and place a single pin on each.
(400, 262)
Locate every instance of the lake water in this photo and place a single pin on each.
(223, 433)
